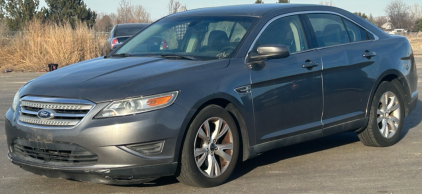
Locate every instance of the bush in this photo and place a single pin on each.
(40, 44)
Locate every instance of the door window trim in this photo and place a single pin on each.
(301, 13)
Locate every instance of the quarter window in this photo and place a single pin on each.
(329, 29)
(355, 32)
(286, 31)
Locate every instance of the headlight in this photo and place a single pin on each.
(15, 101)
(138, 105)
(16, 98)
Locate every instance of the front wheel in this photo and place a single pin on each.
(386, 117)
(210, 150)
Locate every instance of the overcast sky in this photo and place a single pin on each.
(158, 8)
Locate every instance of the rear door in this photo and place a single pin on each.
(287, 96)
(349, 58)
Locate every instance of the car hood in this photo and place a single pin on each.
(102, 79)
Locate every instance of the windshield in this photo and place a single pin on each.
(200, 37)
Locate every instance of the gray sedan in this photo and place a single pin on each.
(231, 83)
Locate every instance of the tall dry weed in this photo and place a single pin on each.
(41, 44)
(416, 42)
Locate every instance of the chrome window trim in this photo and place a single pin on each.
(54, 100)
(308, 12)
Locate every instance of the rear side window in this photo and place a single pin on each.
(370, 36)
(329, 29)
(286, 31)
(355, 32)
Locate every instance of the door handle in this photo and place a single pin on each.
(309, 64)
(368, 54)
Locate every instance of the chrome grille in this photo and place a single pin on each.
(56, 106)
(67, 112)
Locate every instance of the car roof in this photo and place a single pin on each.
(253, 10)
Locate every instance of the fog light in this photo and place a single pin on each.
(147, 148)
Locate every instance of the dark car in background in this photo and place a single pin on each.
(231, 83)
(120, 33)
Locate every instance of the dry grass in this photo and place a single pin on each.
(41, 44)
(416, 43)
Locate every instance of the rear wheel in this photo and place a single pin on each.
(386, 117)
(210, 150)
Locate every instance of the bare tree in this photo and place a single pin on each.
(328, 3)
(124, 11)
(380, 21)
(114, 18)
(415, 12)
(174, 6)
(129, 13)
(140, 15)
(398, 12)
(103, 23)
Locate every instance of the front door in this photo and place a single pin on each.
(287, 92)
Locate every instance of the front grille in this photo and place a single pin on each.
(53, 153)
(67, 112)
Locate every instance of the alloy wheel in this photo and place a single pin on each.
(213, 147)
(388, 114)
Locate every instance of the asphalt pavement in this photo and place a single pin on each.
(334, 164)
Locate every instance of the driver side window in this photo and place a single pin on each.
(286, 31)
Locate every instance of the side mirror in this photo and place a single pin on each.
(270, 51)
(116, 46)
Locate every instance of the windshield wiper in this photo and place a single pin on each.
(121, 55)
(177, 56)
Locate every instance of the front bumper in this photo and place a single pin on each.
(106, 138)
(112, 176)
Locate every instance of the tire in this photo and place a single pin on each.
(388, 113)
(196, 171)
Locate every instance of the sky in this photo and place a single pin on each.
(158, 8)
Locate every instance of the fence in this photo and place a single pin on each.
(414, 34)
(408, 34)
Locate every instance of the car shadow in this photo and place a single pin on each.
(295, 150)
(317, 145)
(412, 120)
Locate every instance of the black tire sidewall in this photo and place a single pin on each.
(188, 152)
(383, 88)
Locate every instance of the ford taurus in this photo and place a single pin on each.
(231, 83)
